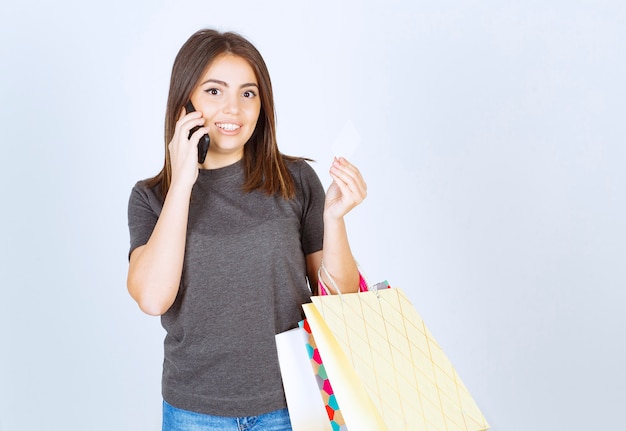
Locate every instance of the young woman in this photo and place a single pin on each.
(227, 250)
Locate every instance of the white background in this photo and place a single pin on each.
(491, 134)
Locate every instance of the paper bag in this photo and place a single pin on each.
(306, 408)
(386, 369)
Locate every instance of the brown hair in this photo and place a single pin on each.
(264, 166)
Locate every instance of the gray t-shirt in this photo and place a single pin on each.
(243, 281)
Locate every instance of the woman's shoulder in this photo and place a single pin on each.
(304, 176)
(148, 189)
(300, 167)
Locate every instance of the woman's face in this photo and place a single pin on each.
(228, 97)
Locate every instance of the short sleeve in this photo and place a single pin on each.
(144, 208)
(313, 209)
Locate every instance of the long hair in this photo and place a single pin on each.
(264, 166)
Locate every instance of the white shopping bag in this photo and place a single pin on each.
(305, 404)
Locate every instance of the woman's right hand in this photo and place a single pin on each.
(156, 268)
(184, 151)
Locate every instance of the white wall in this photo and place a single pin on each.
(491, 137)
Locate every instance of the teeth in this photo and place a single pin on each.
(227, 126)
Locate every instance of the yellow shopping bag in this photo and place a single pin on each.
(386, 369)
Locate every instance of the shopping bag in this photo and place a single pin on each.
(308, 391)
(335, 416)
(386, 369)
(306, 407)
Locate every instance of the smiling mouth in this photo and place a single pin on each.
(228, 126)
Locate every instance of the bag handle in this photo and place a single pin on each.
(323, 289)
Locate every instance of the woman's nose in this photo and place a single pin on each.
(231, 105)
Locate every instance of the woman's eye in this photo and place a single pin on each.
(213, 91)
(249, 94)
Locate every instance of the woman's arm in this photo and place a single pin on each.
(347, 190)
(156, 268)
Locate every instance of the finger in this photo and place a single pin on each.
(349, 175)
(348, 189)
(342, 165)
(347, 183)
(190, 126)
(355, 174)
(182, 143)
(186, 121)
(198, 133)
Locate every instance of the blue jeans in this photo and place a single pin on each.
(182, 420)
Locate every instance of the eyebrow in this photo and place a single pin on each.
(225, 84)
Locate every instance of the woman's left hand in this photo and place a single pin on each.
(347, 190)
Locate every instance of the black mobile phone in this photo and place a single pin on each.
(203, 143)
